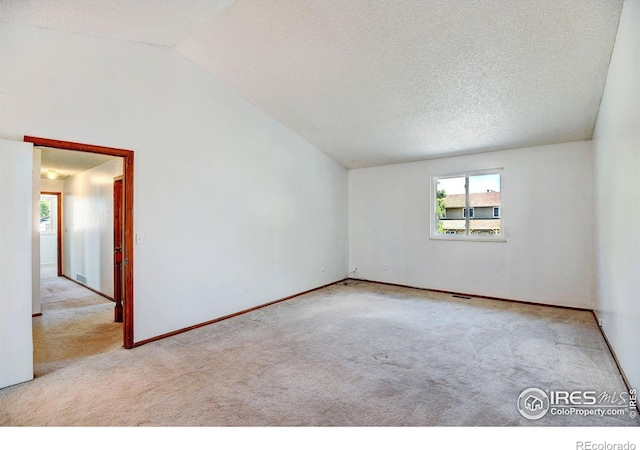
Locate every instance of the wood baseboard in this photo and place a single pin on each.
(90, 288)
(615, 358)
(463, 294)
(209, 322)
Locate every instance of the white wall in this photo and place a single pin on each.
(235, 209)
(616, 146)
(547, 223)
(48, 185)
(88, 225)
(16, 220)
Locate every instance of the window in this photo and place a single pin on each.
(467, 206)
(45, 215)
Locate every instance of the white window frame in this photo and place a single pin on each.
(467, 236)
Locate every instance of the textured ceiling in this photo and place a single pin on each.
(67, 162)
(385, 81)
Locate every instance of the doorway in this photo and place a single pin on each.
(126, 248)
(51, 229)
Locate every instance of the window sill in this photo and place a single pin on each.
(467, 238)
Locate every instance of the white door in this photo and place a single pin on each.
(16, 341)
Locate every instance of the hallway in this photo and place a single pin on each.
(75, 323)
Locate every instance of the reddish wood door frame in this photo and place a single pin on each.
(127, 155)
(58, 228)
(117, 247)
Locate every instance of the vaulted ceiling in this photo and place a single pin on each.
(373, 82)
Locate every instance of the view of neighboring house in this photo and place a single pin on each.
(484, 213)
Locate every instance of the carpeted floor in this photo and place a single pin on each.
(75, 323)
(348, 355)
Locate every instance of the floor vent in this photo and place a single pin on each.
(462, 296)
(81, 278)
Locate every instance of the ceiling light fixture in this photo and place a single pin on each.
(51, 174)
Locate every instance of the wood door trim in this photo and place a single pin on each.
(59, 227)
(128, 157)
(65, 145)
(118, 214)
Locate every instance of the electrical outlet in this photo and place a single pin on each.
(600, 323)
(139, 238)
(246, 288)
(384, 267)
(323, 270)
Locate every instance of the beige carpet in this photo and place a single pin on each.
(75, 323)
(346, 355)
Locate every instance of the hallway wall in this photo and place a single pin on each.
(88, 226)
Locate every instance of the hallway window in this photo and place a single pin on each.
(46, 211)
